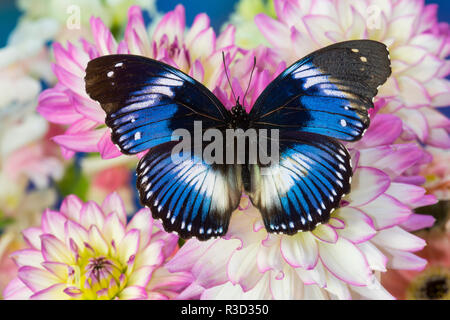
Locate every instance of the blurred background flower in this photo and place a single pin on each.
(42, 64)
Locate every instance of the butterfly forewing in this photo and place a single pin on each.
(329, 92)
(146, 100)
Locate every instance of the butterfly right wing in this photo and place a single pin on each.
(190, 196)
(146, 100)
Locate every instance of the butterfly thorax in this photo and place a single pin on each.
(239, 117)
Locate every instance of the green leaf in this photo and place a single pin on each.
(74, 182)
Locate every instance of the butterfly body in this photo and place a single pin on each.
(301, 116)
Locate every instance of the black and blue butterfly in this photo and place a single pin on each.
(320, 99)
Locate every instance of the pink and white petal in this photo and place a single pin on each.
(55, 292)
(83, 141)
(36, 278)
(205, 43)
(201, 22)
(324, 232)
(133, 293)
(376, 259)
(398, 239)
(65, 60)
(418, 221)
(60, 270)
(384, 129)
(274, 31)
(129, 245)
(407, 193)
(367, 185)
(318, 25)
(57, 107)
(313, 292)
(97, 241)
(404, 260)
(151, 256)
(53, 222)
(242, 266)
(313, 276)
(69, 80)
(55, 250)
(16, 290)
(209, 274)
(114, 229)
(75, 232)
(426, 69)
(172, 25)
(336, 223)
(107, 149)
(375, 291)
(91, 214)
(413, 92)
(337, 287)
(143, 221)
(401, 28)
(300, 250)
(287, 288)
(392, 159)
(104, 40)
(354, 269)
(358, 226)
(136, 34)
(269, 257)
(114, 203)
(27, 257)
(71, 207)
(32, 236)
(439, 138)
(197, 72)
(226, 37)
(163, 280)
(140, 276)
(386, 212)
(415, 121)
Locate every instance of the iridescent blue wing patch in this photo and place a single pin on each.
(301, 191)
(328, 92)
(146, 100)
(190, 197)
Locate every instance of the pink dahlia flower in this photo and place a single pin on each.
(197, 52)
(418, 45)
(87, 251)
(343, 258)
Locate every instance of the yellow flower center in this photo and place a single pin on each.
(96, 277)
(431, 284)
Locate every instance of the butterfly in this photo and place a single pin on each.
(317, 102)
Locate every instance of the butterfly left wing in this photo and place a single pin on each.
(146, 100)
(328, 92)
(191, 197)
(303, 188)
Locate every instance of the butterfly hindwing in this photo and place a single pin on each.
(300, 191)
(328, 92)
(191, 197)
(146, 100)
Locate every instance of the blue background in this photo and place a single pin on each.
(218, 10)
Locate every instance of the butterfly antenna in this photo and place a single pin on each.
(226, 73)
(250, 81)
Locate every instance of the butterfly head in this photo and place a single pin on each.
(239, 117)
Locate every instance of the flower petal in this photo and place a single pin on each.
(367, 185)
(346, 262)
(398, 239)
(300, 250)
(36, 278)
